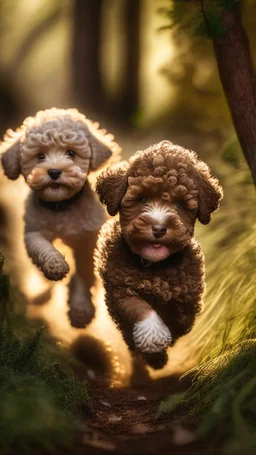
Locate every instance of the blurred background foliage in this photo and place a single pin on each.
(116, 60)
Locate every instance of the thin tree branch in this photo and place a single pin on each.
(204, 16)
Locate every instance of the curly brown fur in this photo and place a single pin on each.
(55, 151)
(150, 263)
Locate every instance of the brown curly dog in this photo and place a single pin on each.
(151, 265)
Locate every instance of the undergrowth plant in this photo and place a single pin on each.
(41, 407)
(220, 406)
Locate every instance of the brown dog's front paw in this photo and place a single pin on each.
(157, 360)
(55, 269)
(81, 317)
(151, 335)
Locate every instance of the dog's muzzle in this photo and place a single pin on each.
(54, 173)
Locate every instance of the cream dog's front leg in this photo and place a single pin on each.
(82, 310)
(45, 256)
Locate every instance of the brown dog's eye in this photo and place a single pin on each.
(71, 153)
(143, 199)
(178, 205)
(41, 156)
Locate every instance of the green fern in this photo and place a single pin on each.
(199, 18)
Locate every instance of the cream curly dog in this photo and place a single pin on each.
(55, 151)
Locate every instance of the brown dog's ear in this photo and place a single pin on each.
(209, 193)
(111, 186)
(11, 161)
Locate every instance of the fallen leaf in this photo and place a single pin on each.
(181, 436)
(141, 428)
(141, 398)
(114, 419)
(105, 403)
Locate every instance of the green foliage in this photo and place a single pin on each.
(41, 408)
(184, 16)
(199, 17)
(220, 405)
(210, 24)
(231, 275)
(232, 154)
(229, 5)
(30, 417)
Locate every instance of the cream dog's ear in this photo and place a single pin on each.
(100, 152)
(111, 186)
(11, 160)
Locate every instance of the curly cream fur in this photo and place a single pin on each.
(57, 126)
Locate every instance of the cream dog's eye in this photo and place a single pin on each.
(143, 199)
(71, 153)
(41, 156)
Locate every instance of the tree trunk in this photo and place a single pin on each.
(239, 82)
(1, 262)
(87, 79)
(129, 97)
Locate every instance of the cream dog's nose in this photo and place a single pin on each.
(54, 173)
(159, 230)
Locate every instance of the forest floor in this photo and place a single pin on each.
(125, 421)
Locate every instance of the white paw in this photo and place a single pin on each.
(151, 335)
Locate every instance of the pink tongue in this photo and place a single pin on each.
(155, 252)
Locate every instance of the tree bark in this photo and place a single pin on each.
(87, 79)
(239, 82)
(129, 98)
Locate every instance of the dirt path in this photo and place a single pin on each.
(124, 421)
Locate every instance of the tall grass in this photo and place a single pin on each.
(230, 297)
(220, 406)
(41, 407)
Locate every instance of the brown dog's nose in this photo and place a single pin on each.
(159, 230)
(54, 173)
